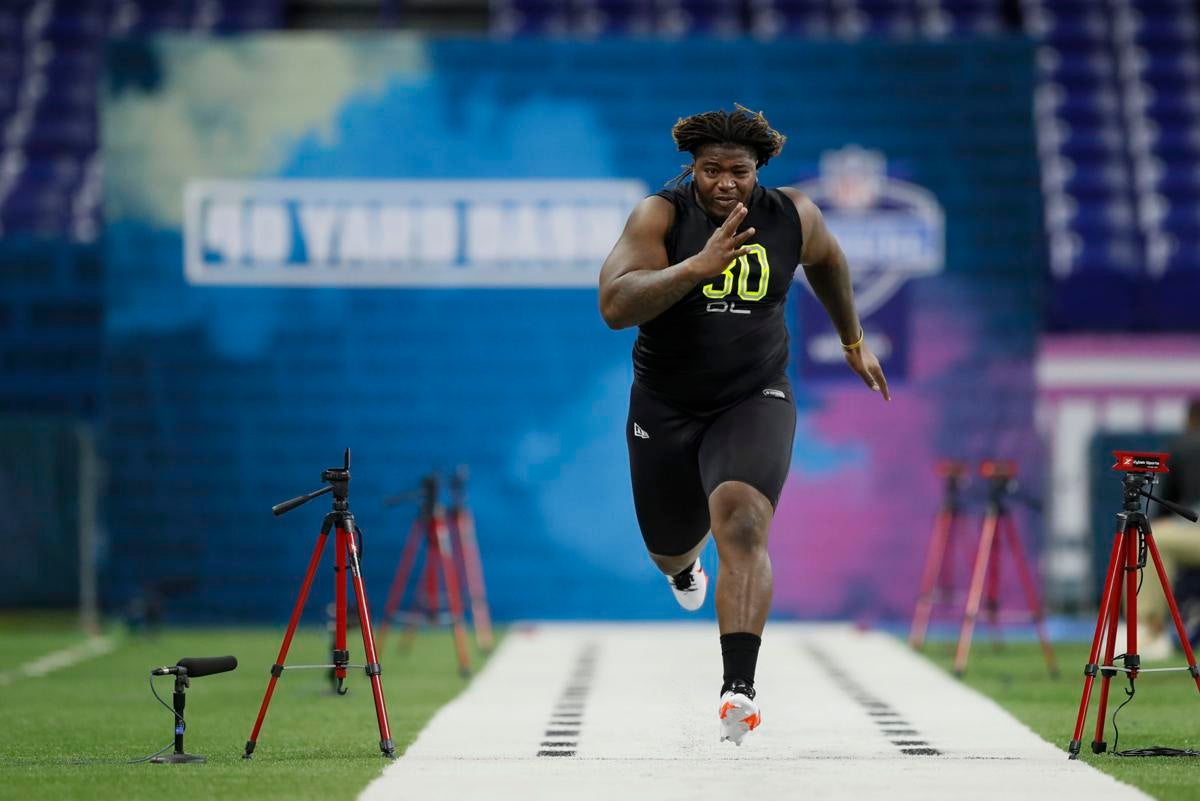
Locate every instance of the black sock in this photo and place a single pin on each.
(739, 652)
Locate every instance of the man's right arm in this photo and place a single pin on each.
(637, 282)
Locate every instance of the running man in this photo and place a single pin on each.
(703, 268)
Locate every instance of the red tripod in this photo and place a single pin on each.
(466, 548)
(937, 581)
(998, 525)
(346, 549)
(431, 530)
(1133, 542)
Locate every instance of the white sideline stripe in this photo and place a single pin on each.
(56, 660)
(649, 726)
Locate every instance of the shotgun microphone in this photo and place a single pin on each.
(196, 666)
(188, 668)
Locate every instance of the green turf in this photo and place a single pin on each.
(1165, 711)
(319, 746)
(26, 636)
(313, 745)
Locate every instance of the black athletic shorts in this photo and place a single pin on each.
(677, 458)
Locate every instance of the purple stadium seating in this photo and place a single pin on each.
(49, 71)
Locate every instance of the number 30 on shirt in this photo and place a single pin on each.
(726, 279)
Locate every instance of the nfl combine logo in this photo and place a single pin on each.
(891, 232)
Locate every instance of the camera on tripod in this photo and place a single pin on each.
(1133, 550)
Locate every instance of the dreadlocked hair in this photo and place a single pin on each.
(741, 126)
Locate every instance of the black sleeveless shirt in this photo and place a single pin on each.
(726, 338)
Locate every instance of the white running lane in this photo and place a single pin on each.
(629, 712)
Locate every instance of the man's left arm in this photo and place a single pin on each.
(829, 276)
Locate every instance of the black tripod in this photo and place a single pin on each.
(1132, 544)
(346, 547)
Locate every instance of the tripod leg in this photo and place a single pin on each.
(443, 558)
(968, 561)
(947, 576)
(1107, 673)
(297, 610)
(400, 581)
(1132, 546)
(952, 571)
(975, 593)
(1090, 670)
(1184, 642)
(1031, 594)
(993, 590)
(386, 745)
(429, 591)
(433, 594)
(468, 547)
(341, 656)
(933, 567)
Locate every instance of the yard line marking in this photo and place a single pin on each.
(57, 660)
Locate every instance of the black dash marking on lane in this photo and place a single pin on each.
(879, 711)
(567, 717)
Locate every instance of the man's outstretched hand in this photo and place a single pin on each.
(866, 364)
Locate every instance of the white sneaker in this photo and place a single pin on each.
(690, 587)
(739, 714)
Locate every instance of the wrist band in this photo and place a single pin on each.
(862, 334)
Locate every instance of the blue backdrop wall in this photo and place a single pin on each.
(260, 318)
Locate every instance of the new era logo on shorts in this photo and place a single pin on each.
(640, 432)
(775, 393)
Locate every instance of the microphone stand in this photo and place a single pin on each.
(180, 756)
